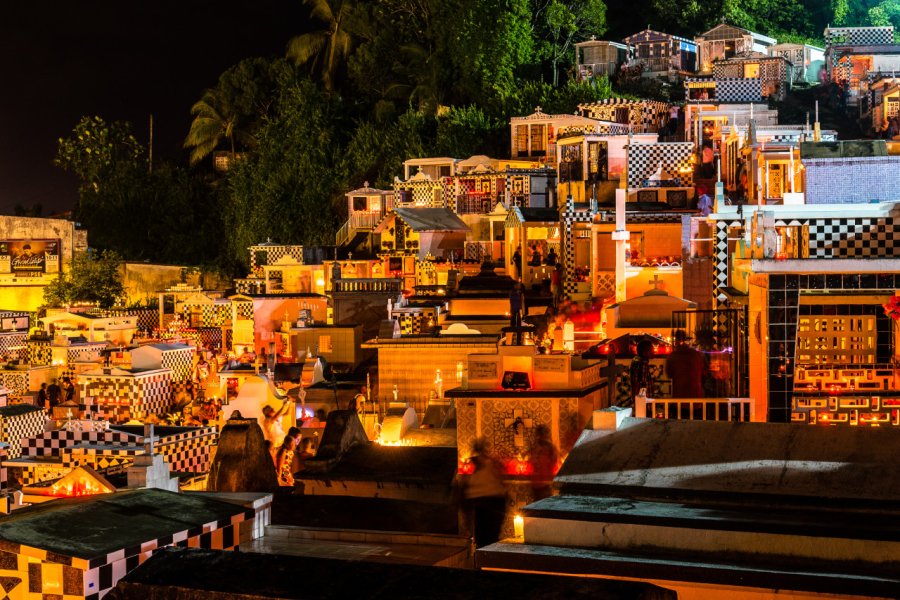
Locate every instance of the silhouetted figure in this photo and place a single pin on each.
(544, 456)
(484, 496)
(685, 368)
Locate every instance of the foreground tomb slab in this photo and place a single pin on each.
(714, 509)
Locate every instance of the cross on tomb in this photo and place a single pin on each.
(149, 439)
(656, 281)
(519, 423)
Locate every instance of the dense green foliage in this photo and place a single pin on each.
(167, 215)
(91, 278)
(786, 20)
(365, 86)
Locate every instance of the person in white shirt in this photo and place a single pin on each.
(271, 425)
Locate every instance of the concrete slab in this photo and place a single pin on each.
(182, 574)
(657, 457)
(699, 571)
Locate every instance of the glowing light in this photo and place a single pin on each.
(83, 486)
(519, 526)
(519, 467)
(569, 336)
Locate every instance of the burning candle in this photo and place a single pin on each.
(519, 526)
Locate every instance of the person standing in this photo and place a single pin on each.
(202, 372)
(484, 496)
(707, 156)
(68, 390)
(640, 372)
(544, 456)
(536, 257)
(550, 259)
(516, 304)
(53, 393)
(42, 397)
(517, 262)
(271, 425)
(685, 368)
(284, 457)
(555, 284)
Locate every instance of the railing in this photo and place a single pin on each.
(655, 64)
(343, 235)
(596, 70)
(364, 220)
(378, 285)
(361, 220)
(695, 409)
(478, 251)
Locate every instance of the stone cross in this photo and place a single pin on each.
(519, 423)
(656, 281)
(148, 439)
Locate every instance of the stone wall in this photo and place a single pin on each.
(411, 366)
(697, 276)
(852, 180)
(144, 281)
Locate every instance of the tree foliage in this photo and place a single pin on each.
(785, 20)
(97, 148)
(91, 277)
(560, 24)
(327, 48)
(230, 113)
(168, 215)
(364, 86)
(286, 190)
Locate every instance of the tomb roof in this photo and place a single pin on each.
(17, 409)
(658, 457)
(536, 215)
(431, 219)
(843, 149)
(209, 574)
(95, 526)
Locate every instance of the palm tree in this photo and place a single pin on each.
(422, 71)
(326, 49)
(215, 121)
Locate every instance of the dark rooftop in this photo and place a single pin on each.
(94, 526)
(17, 409)
(181, 573)
(539, 215)
(422, 466)
(431, 219)
(845, 149)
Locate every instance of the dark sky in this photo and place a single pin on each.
(117, 59)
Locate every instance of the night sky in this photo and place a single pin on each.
(60, 60)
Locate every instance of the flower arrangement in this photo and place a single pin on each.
(892, 308)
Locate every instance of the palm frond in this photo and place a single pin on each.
(321, 10)
(304, 47)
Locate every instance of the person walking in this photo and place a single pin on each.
(484, 496)
(544, 457)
